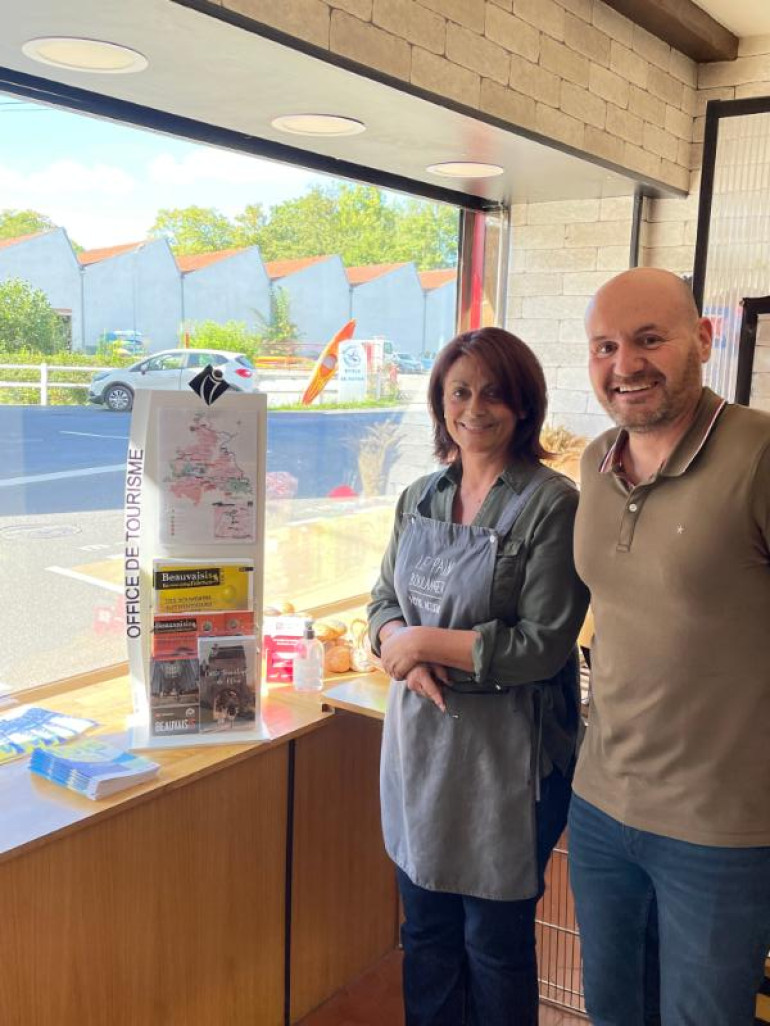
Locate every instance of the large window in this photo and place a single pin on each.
(118, 245)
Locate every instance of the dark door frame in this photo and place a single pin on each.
(753, 308)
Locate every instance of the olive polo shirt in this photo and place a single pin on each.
(678, 740)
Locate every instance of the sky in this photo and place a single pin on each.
(105, 182)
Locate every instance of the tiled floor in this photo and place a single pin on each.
(375, 1000)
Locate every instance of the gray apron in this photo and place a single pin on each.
(458, 788)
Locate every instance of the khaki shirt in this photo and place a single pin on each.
(678, 740)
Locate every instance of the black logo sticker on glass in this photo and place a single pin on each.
(209, 384)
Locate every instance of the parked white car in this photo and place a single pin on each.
(172, 369)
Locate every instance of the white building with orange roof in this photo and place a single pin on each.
(440, 288)
(133, 287)
(388, 302)
(225, 285)
(47, 261)
(319, 294)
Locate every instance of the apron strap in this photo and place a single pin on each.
(517, 504)
(430, 484)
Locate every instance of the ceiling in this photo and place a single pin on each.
(217, 74)
(742, 17)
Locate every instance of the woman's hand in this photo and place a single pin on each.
(400, 651)
(427, 681)
(402, 648)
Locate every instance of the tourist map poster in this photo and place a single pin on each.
(207, 463)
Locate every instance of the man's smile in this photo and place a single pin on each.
(639, 388)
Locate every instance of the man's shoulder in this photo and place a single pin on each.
(751, 423)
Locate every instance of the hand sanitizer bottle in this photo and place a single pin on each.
(309, 662)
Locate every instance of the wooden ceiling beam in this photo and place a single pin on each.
(683, 25)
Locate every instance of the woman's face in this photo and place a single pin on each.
(476, 417)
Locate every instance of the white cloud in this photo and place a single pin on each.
(213, 165)
(63, 177)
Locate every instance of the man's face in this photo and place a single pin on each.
(646, 350)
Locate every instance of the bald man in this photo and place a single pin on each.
(670, 823)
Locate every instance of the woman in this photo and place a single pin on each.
(475, 617)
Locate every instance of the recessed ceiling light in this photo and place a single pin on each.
(465, 169)
(93, 55)
(318, 124)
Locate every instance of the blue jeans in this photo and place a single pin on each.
(471, 961)
(711, 908)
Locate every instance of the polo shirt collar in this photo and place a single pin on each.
(707, 412)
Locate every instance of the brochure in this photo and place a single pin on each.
(24, 730)
(201, 586)
(228, 693)
(92, 767)
(175, 637)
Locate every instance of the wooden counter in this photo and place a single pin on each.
(245, 885)
(365, 694)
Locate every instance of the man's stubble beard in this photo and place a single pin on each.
(673, 401)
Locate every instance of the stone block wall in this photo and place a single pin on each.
(574, 71)
(668, 238)
(561, 253)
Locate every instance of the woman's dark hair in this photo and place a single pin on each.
(519, 376)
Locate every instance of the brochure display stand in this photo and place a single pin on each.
(194, 542)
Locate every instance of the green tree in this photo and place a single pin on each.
(366, 226)
(23, 222)
(250, 225)
(27, 319)
(358, 222)
(426, 233)
(362, 225)
(278, 331)
(301, 227)
(194, 230)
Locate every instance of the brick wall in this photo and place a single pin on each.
(574, 71)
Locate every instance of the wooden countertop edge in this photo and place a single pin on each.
(335, 704)
(94, 811)
(320, 707)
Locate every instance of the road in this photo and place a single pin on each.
(71, 459)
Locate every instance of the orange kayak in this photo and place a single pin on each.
(326, 364)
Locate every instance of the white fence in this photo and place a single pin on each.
(279, 386)
(44, 383)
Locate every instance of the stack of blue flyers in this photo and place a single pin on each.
(92, 767)
(23, 730)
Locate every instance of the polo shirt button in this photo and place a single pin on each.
(632, 507)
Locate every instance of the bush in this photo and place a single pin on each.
(233, 336)
(27, 318)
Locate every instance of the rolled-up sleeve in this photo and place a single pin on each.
(533, 642)
(384, 604)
